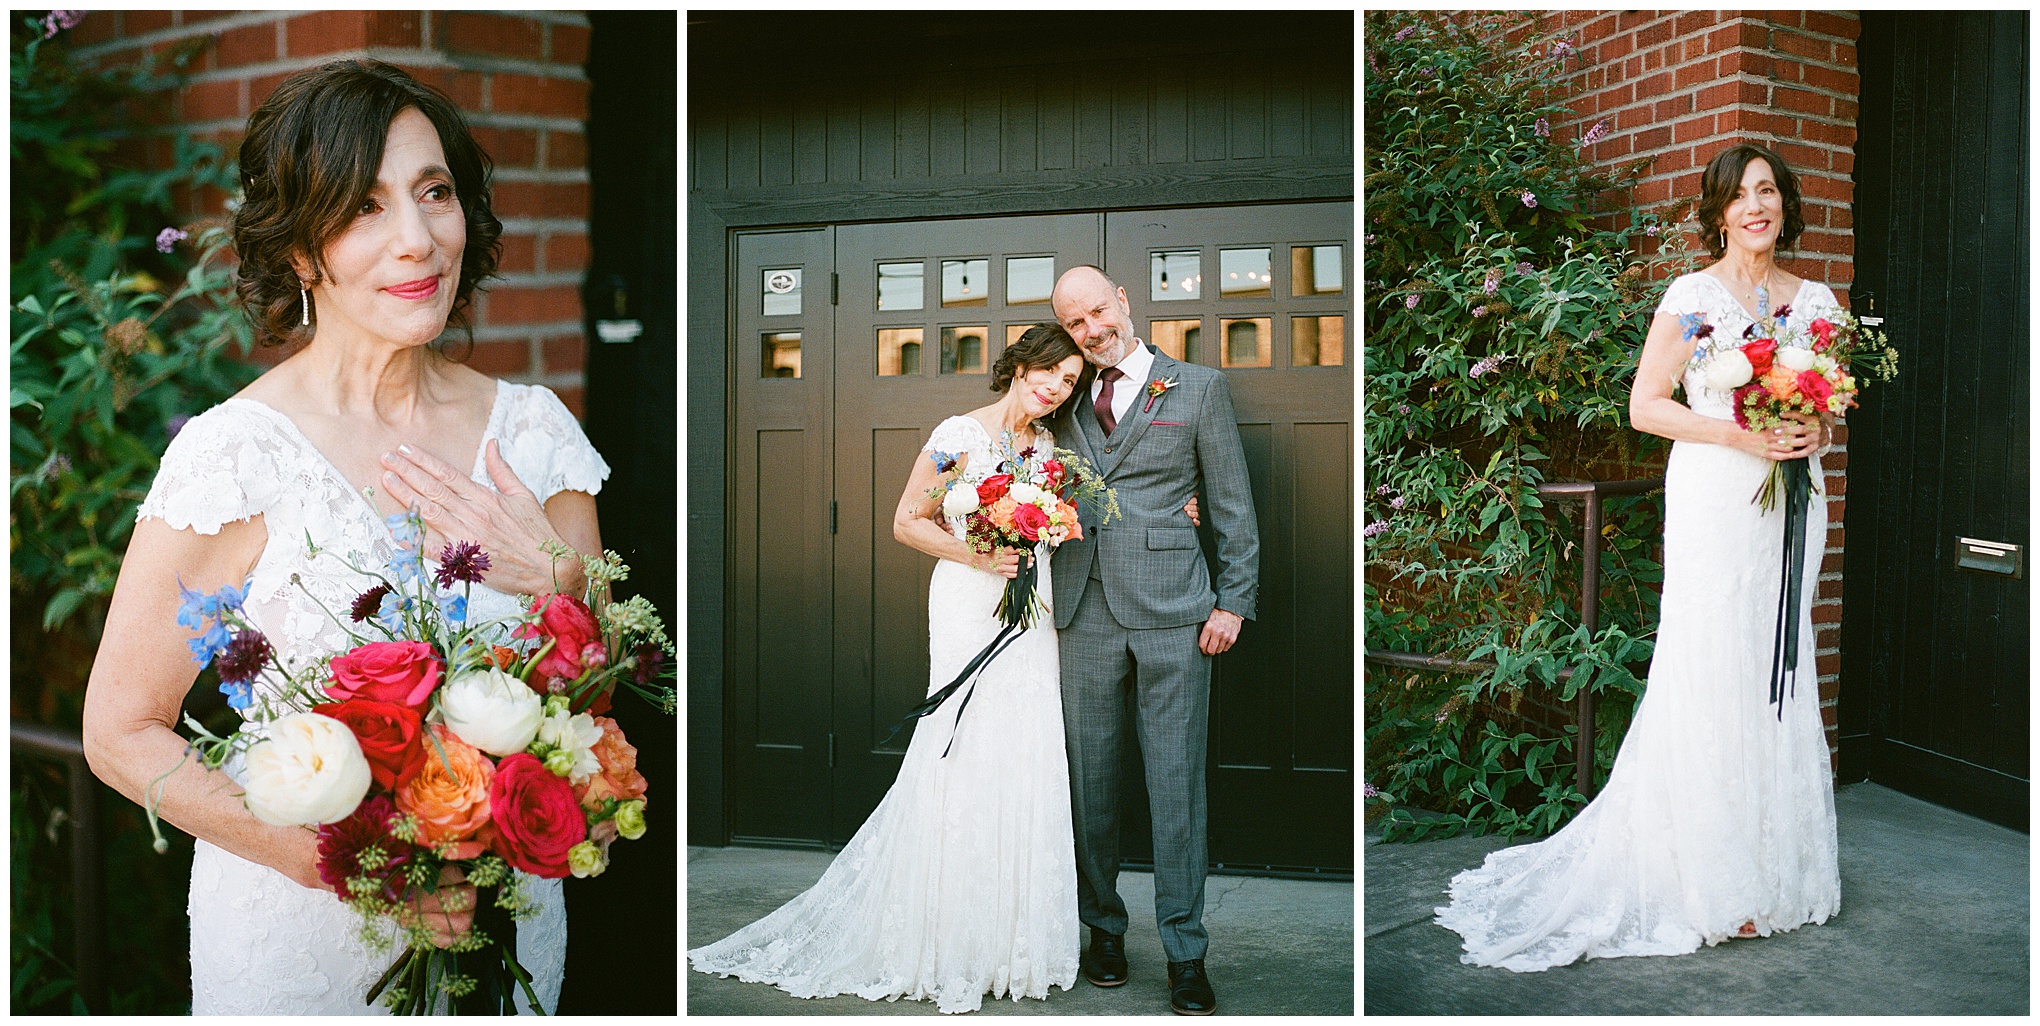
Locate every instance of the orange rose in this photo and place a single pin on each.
(1001, 513)
(1067, 515)
(449, 796)
(1781, 382)
(619, 778)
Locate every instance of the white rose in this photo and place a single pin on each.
(576, 735)
(961, 501)
(307, 770)
(1729, 369)
(1023, 492)
(1795, 359)
(491, 710)
(1824, 365)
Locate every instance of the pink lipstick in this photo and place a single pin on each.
(423, 288)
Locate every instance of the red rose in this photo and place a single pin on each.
(388, 734)
(1028, 519)
(1823, 329)
(1056, 472)
(535, 816)
(1760, 353)
(994, 488)
(570, 624)
(1815, 387)
(403, 672)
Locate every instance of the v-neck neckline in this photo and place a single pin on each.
(481, 447)
(1730, 293)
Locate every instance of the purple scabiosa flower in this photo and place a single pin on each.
(650, 659)
(1596, 133)
(1529, 198)
(1479, 312)
(1374, 528)
(244, 657)
(1410, 301)
(1543, 129)
(1493, 282)
(1405, 33)
(1782, 312)
(368, 603)
(461, 561)
(168, 238)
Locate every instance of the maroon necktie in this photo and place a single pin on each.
(1104, 404)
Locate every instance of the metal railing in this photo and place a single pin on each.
(88, 856)
(1591, 493)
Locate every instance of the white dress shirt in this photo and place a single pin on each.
(1135, 367)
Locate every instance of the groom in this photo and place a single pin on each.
(1135, 605)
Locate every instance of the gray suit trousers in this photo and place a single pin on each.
(1172, 699)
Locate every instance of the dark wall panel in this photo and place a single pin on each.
(899, 590)
(783, 584)
(1322, 525)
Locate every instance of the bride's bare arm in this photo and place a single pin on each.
(1653, 410)
(138, 683)
(918, 521)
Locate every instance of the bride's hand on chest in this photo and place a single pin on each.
(509, 523)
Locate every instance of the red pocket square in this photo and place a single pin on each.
(1170, 423)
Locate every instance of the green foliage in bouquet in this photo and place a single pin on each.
(111, 341)
(1504, 316)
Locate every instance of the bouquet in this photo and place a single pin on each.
(431, 744)
(1027, 501)
(1785, 369)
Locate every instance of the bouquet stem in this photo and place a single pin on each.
(488, 978)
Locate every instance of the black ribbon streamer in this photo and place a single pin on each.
(1785, 645)
(1013, 613)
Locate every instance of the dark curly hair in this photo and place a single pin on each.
(1723, 177)
(1040, 348)
(309, 161)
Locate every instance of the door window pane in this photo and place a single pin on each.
(1176, 338)
(1246, 341)
(1176, 275)
(1243, 272)
(782, 291)
(1029, 279)
(1317, 270)
(965, 282)
(899, 351)
(1317, 341)
(963, 350)
(781, 351)
(899, 286)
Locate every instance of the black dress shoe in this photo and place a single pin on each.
(1190, 990)
(1105, 964)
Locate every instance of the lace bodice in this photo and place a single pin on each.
(1706, 295)
(261, 944)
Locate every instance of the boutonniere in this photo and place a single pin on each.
(1155, 389)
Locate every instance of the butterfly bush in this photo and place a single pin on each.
(1539, 283)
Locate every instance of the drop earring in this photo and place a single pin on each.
(304, 306)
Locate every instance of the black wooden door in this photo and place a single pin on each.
(1263, 293)
(1934, 656)
(923, 310)
(777, 662)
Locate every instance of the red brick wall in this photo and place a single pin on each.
(518, 78)
(1677, 88)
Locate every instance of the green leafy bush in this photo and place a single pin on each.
(1507, 294)
(117, 331)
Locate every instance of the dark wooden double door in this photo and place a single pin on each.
(1935, 693)
(853, 341)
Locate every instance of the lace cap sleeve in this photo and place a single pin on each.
(215, 471)
(955, 435)
(1682, 297)
(546, 446)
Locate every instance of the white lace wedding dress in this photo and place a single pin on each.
(1716, 813)
(963, 882)
(260, 943)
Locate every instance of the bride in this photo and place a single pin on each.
(963, 881)
(364, 227)
(1718, 820)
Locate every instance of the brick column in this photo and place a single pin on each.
(517, 77)
(1676, 88)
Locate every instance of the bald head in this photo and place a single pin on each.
(1092, 308)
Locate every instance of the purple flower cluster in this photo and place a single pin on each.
(1410, 301)
(1486, 366)
(461, 561)
(1525, 269)
(1561, 48)
(1493, 282)
(1405, 33)
(1479, 312)
(1543, 129)
(1374, 528)
(58, 21)
(1596, 133)
(1529, 198)
(168, 238)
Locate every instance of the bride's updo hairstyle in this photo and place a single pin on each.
(1724, 176)
(1039, 348)
(308, 163)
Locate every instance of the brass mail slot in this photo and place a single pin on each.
(1991, 557)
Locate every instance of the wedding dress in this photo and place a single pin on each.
(1716, 813)
(260, 943)
(963, 881)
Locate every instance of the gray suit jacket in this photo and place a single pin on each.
(1149, 560)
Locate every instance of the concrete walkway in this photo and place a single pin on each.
(1934, 921)
(1278, 947)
